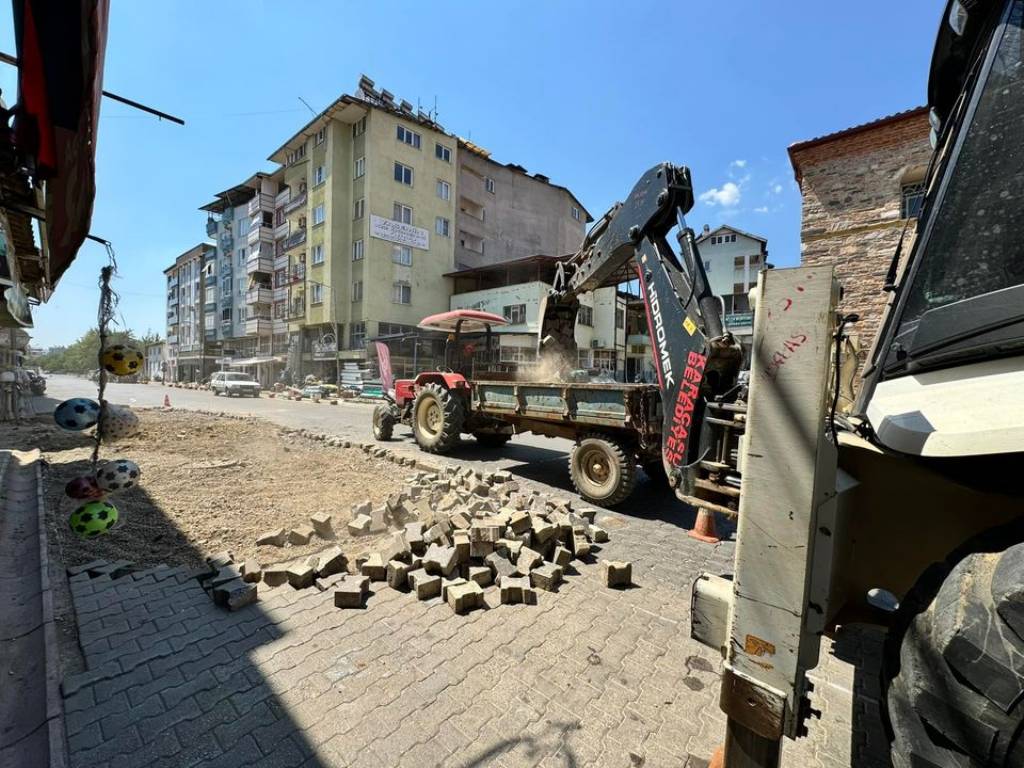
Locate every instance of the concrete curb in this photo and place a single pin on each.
(54, 700)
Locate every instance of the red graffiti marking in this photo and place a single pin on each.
(682, 410)
(786, 352)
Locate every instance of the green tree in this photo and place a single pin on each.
(82, 355)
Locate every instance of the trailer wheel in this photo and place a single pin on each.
(958, 697)
(491, 439)
(437, 417)
(383, 421)
(601, 470)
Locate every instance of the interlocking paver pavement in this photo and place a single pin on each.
(588, 676)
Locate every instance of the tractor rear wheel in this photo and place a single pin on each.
(958, 696)
(437, 418)
(602, 471)
(383, 421)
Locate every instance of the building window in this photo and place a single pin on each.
(576, 213)
(357, 335)
(517, 355)
(357, 291)
(489, 184)
(408, 137)
(441, 152)
(911, 199)
(620, 318)
(318, 254)
(316, 293)
(241, 257)
(604, 359)
(357, 250)
(320, 136)
(401, 254)
(359, 208)
(402, 213)
(240, 314)
(444, 190)
(360, 168)
(401, 293)
(403, 174)
(318, 176)
(586, 316)
(442, 226)
(515, 313)
(319, 215)
(359, 127)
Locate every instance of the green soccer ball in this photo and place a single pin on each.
(93, 518)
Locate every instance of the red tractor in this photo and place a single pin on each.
(438, 404)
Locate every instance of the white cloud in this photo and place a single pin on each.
(761, 209)
(739, 163)
(727, 195)
(777, 189)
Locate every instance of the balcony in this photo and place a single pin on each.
(259, 296)
(280, 325)
(280, 262)
(210, 306)
(259, 263)
(294, 240)
(283, 197)
(172, 338)
(226, 327)
(260, 202)
(210, 334)
(172, 298)
(260, 235)
(227, 242)
(257, 326)
(296, 274)
(211, 227)
(281, 293)
(296, 310)
(295, 203)
(281, 230)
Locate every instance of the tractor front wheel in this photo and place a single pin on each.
(437, 418)
(383, 421)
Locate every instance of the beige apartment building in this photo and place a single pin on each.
(354, 234)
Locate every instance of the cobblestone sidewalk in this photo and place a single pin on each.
(589, 676)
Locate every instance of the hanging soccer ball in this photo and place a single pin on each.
(83, 488)
(77, 414)
(117, 475)
(121, 360)
(93, 518)
(118, 422)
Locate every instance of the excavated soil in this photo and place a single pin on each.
(208, 484)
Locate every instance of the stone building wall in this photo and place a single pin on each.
(851, 185)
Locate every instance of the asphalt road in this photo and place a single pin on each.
(531, 457)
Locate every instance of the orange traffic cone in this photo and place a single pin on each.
(718, 758)
(167, 401)
(704, 529)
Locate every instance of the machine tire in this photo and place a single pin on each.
(491, 439)
(958, 696)
(383, 422)
(437, 418)
(602, 471)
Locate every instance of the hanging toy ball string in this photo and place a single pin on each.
(105, 315)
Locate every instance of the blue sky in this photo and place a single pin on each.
(589, 93)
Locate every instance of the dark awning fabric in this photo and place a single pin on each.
(60, 82)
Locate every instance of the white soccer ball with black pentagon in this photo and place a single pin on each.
(118, 475)
(77, 414)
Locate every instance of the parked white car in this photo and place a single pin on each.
(241, 384)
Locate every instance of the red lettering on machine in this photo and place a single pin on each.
(682, 411)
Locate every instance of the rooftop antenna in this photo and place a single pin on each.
(311, 110)
(436, 113)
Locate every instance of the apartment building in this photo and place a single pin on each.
(732, 259)
(515, 290)
(191, 347)
(505, 213)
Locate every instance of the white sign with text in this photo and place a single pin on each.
(397, 232)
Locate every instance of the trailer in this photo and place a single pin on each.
(615, 427)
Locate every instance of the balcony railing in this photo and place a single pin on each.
(295, 275)
(260, 235)
(227, 241)
(258, 325)
(172, 338)
(281, 293)
(260, 202)
(259, 296)
(281, 230)
(294, 240)
(259, 264)
(172, 298)
(283, 197)
(295, 203)
(295, 310)
(211, 227)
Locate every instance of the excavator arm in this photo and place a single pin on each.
(696, 359)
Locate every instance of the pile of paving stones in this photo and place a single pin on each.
(452, 534)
